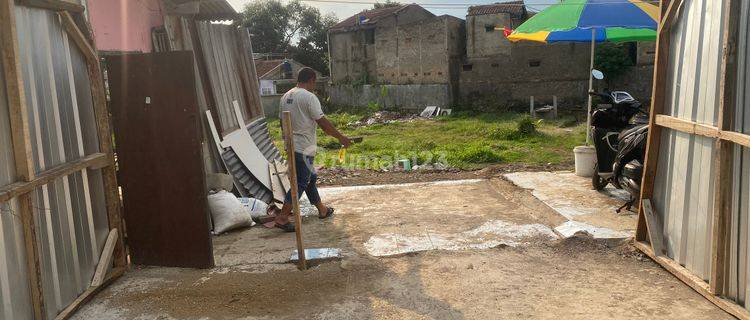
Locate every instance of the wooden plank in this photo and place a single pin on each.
(736, 137)
(655, 227)
(286, 118)
(56, 5)
(22, 152)
(687, 126)
(723, 159)
(282, 170)
(704, 130)
(75, 34)
(276, 187)
(658, 100)
(89, 294)
(94, 161)
(695, 282)
(105, 259)
(200, 60)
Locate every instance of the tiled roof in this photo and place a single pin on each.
(371, 16)
(514, 8)
(263, 66)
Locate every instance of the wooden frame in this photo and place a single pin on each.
(27, 179)
(21, 137)
(55, 5)
(725, 140)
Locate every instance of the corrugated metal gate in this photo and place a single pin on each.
(57, 187)
(697, 171)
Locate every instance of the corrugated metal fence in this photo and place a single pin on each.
(683, 190)
(220, 51)
(686, 185)
(70, 212)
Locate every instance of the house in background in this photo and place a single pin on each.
(497, 73)
(408, 50)
(277, 76)
(406, 57)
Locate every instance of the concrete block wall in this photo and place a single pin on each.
(483, 43)
(407, 96)
(531, 69)
(353, 60)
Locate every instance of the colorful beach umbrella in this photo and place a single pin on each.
(579, 20)
(591, 21)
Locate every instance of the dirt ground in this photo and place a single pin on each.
(348, 177)
(473, 249)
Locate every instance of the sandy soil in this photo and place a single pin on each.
(575, 278)
(529, 277)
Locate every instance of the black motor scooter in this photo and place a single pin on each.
(619, 128)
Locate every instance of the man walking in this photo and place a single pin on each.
(307, 115)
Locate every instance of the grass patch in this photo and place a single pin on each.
(463, 140)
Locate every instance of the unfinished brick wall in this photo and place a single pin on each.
(419, 53)
(530, 69)
(483, 40)
(353, 52)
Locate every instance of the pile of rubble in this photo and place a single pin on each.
(384, 117)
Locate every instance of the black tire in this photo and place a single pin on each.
(597, 181)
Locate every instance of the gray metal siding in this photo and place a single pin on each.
(258, 130)
(70, 214)
(219, 44)
(684, 187)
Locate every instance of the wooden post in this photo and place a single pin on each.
(22, 151)
(286, 125)
(554, 107)
(723, 166)
(531, 107)
(667, 13)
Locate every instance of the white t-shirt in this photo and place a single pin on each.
(305, 110)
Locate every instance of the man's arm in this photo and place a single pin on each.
(330, 130)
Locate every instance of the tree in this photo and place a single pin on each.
(293, 28)
(613, 59)
(386, 4)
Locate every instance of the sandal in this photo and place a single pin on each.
(289, 227)
(329, 213)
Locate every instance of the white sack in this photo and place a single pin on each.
(227, 212)
(256, 207)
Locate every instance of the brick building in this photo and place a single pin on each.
(423, 59)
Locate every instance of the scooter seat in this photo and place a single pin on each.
(630, 131)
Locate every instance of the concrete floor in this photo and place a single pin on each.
(446, 250)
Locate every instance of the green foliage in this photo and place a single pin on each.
(463, 140)
(526, 126)
(291, 27)
(612, 59)
(373, 107)
(474, 155)
(386, 4)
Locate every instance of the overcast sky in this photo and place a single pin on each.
(457, 8)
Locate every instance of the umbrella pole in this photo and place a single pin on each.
(591, 87)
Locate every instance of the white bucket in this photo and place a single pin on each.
(585, 160)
